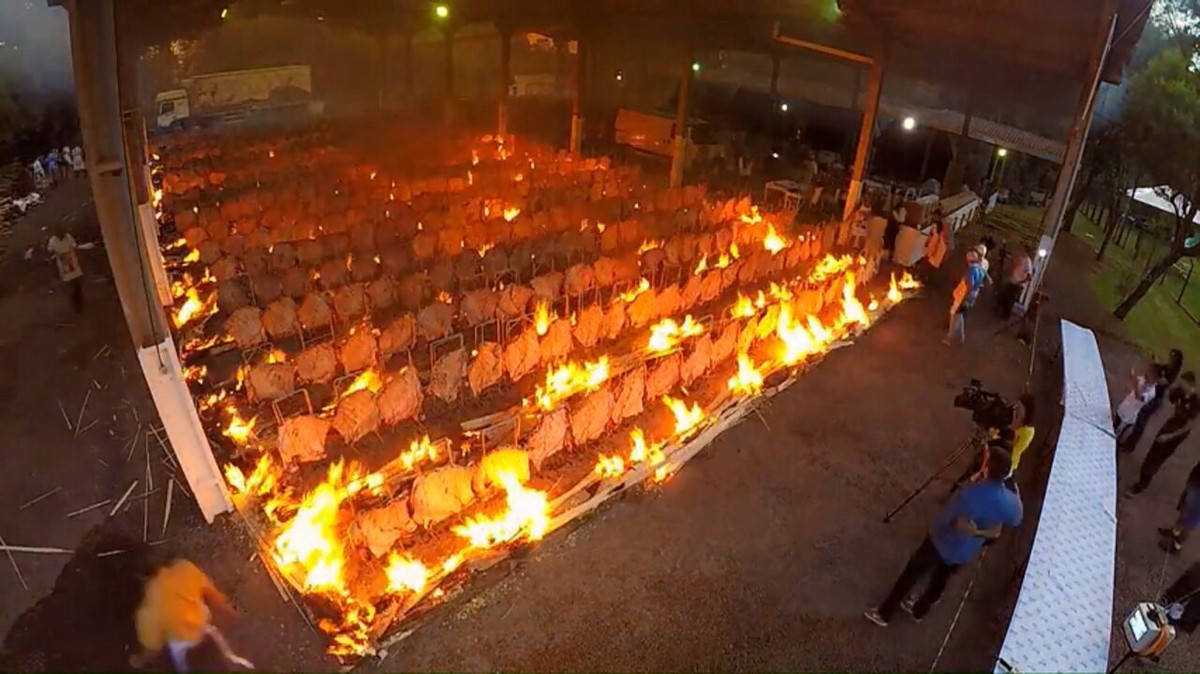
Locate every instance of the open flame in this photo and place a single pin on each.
(701, 266)
(742, 308)
(747, 381)
(474, 158)
(650, 245)
(309, 545)
(483, 249)
(511, 213)
(907, 282)
(666, 334)
(893, 294)
(367, 380)
(632, 294)
(797, 343)
(821, 335)
(193, 307)
(686, 418)
(261, 481)
(640, 451)
(543, 317)
(420, 451)
(570, 378)
(192, 256)
(852, 309)
(527, 515)
(405, 574)
(238, 429)
(610, 466)
(772, 242)
(753, 217)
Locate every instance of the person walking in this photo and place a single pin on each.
(1173, 432)
(975, 513)
(964, 297)
(1168, 372)
(64, 249)
(176, 615)
(1189, 515)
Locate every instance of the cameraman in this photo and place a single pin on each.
(976, 513)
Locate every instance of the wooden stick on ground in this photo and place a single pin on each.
(82, 409)
(81, 511)
(12, 560)
(123, 498)
(167, 512)
(35, 550)
(66, 420)
(48, 494)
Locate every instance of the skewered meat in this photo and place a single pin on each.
(663, 377)
(479, 306)
(255, 260)
(556, 343)
(590, 417)
(587, 328)
(487, 368)
(514, 301)
(363, 268)
(547, 287)
(630, 393)
(302, 439)
(424, 246)
(280, 319)
(723, 348)
(667, 302)
(579, 279)
(317, 364)
(309, 253)
(399, 335)
(333, 273)
(350, 302)
(246, 328)
(614, 321)
(283, 256)
(412, 291)
(232, 295)
(315, 312)
(359, 352)
(396, 260)
(400, 398)
(210, 251)
(295, 282)
(522, 355)
(448, 373)
(495, 261)
(642, 308)
(381, 293)
(436, 320)
(225, 268)
(549, 437)
(441, 493)
(356, 415)
(271, 381)
(697, 362)
(605, 271)
(508, 461)
(378, 529)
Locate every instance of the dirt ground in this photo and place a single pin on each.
(761, 555)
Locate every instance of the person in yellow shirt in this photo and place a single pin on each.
(1023, 430)
(176, 615)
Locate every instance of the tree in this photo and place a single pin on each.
(1101, 159)
(1162, 120)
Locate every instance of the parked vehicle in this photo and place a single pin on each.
(237, 96)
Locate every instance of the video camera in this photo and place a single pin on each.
(988, 409)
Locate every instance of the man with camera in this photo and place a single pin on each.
(975, 513)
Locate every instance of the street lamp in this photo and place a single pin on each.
(909, 123)
(224, 12)
(1003, 152)
(695, 66)
(441, 11)
(783, 107)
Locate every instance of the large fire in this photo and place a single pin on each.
(772, 242)
(748, 380)
(193, 307)
(238, 429)
(309, 545)
(527, 515)
(368, 380)
(543, 317)
(570, 378)
(686, 418)
(667, 334)
(893, 294)
(632, 294)
(421, 451)
(405, 574)
(852, 310)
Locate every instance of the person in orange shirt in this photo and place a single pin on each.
(176, 614)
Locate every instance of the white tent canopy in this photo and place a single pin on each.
(1163, 198)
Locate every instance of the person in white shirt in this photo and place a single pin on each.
(898, 217)
(1141, 392)
(77, 162)
(63, 247)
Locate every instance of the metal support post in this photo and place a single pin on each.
(679, 153)
(866, 134)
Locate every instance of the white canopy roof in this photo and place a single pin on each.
(1160, 197)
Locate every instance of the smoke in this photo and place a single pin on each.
(35, 49)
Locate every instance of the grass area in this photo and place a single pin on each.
(1157, 323)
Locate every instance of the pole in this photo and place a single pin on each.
(866, 133)
(577, 96)
(449, 102)
(773, 98)
(505, 76)
(1052, 220)
(679, 155)
(928, 151)
(95, 58)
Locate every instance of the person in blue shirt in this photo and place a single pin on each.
(975, 513)
(964, 296)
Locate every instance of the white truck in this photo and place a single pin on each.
(237, 96)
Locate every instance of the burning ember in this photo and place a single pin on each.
(192, 256)
(797, 343)
(405, 574)
(511, 213)
(543, 317)
(419, 452)
(368, 380)
(701, 266)
(666, 334)
(743, 308)
(893, 294)
(753, 217)
(686, 419)
(610, 466)
(239, 430)
(527, 514)
(772, 242)
(747, 381)
(852, 309)
(907, 282)
(193, 307)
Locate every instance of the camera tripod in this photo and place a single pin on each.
(978, 436)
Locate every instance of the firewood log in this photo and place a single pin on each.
(317, 364)
(504, 462)
(698, 361)
(556, 343)
(401, 397)
(448, 374)
(522, 355)
(436, 320)
(315, 312)
(350, 302)
(662, 377)
(549, 437)
(441, 493)
(280, 319)
(378, 529)
(356, 415)
(302, 439)
(487, 368)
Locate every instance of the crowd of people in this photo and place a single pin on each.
(57, 165)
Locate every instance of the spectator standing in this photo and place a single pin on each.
(897, 217)
(936, 245)
(1173, 432)
(975, 513)
(1016, 277)
(1141, 393)
(1167, 373)
(62, 245)
(39, 172)
(1023, 429)
(77, 164)
(52, 167)
(1189, 514)
(964, 297)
